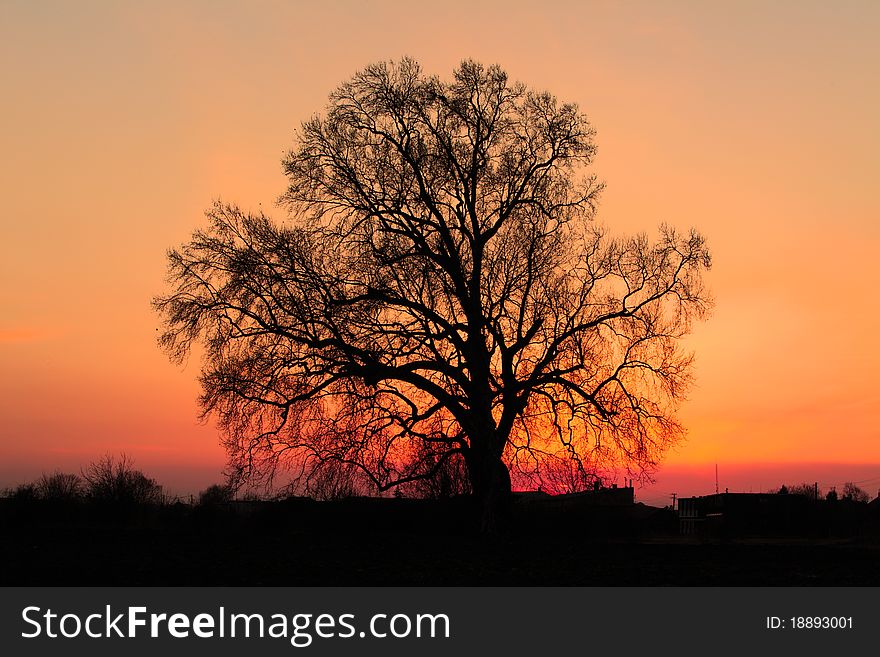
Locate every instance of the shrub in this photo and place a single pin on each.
(117, 482)
(23, 493)
(59, 487)
(805, 489)
(216, 495)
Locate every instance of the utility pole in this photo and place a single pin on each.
(716, 478)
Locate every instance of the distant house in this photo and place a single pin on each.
(746, 513)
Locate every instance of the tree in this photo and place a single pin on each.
(59, 487)
(854, 493)
(116, 483)
(439, 292)
(805, 489)
(216, 495)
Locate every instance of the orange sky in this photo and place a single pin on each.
(755, 122)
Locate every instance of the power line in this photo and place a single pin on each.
(835, 484)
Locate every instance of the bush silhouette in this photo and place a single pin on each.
(23, 493)
(59, 487)
(117, 483)
(215, 495)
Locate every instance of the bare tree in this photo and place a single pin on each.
(439, 281)
(854, 493)
(804, 489)
(59, 486)
(116, 482)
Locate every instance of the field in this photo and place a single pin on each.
(395, 543)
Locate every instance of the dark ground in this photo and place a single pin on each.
(404, 543)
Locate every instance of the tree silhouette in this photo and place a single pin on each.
(115, 482)
(59, 486)
(215, 495)
(854, 493)
(439, 292)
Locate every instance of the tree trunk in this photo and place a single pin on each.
(490, 481)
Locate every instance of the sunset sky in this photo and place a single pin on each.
(755, 122)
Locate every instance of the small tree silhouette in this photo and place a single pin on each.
(854, 493)
(24, 493)
(59, 487)
(117, 483)
(805, 489)
(216, 495)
